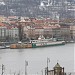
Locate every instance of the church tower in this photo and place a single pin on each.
(58, 70)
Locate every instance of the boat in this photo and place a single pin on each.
(40, 42)
(7, 46)
(2, 47)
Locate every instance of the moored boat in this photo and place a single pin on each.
(41, 42)
(20, 46)
(46, 44)
(2, 47)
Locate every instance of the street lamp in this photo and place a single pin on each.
(48, 60)
(3, 69)
(42, 71)
(26, 64)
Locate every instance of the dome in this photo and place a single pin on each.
(57, 65)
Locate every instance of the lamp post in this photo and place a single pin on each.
(2, 69)
(26, 64)
(42, 71)
(48, 60)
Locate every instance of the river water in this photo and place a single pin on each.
(14, 59)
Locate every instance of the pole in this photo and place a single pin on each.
(47, 66)
(26, 64)
(48, 60)
(25, 68)
(2, 69)
(42, 71)
(45, 71)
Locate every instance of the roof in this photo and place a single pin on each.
(38, 21)
(2, 24)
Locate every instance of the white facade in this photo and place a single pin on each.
(2, 31)
(13, 33)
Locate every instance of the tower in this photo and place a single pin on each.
(58, 70)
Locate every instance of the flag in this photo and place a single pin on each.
(26, 63)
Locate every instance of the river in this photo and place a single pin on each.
(14, 59)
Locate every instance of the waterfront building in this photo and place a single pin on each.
(8, 32)
(47, 27)
(48, 33)
(13, 33)
(65, 32)
(2, 32)
(32, 28)
(33, 31)
(72, 31)
(57, 32)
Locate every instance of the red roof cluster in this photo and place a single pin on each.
(2, 24)
(35, 23)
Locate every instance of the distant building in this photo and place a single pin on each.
(31, 30)
(65, 32)
(8, 32)
(13, 33)
(2, 31)
(72, 31)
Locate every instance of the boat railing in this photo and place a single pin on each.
(42, 40)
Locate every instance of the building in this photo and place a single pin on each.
(32, 31)
(57, 70)
(3, 30)
(12, 34)
(72, 31)
(8, 32)
(65, 32)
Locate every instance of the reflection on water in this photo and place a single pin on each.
(14, 59)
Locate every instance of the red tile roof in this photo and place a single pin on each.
(38, 27)
(2, 24)
(38, 21)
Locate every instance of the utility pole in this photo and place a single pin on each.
(2, 69)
